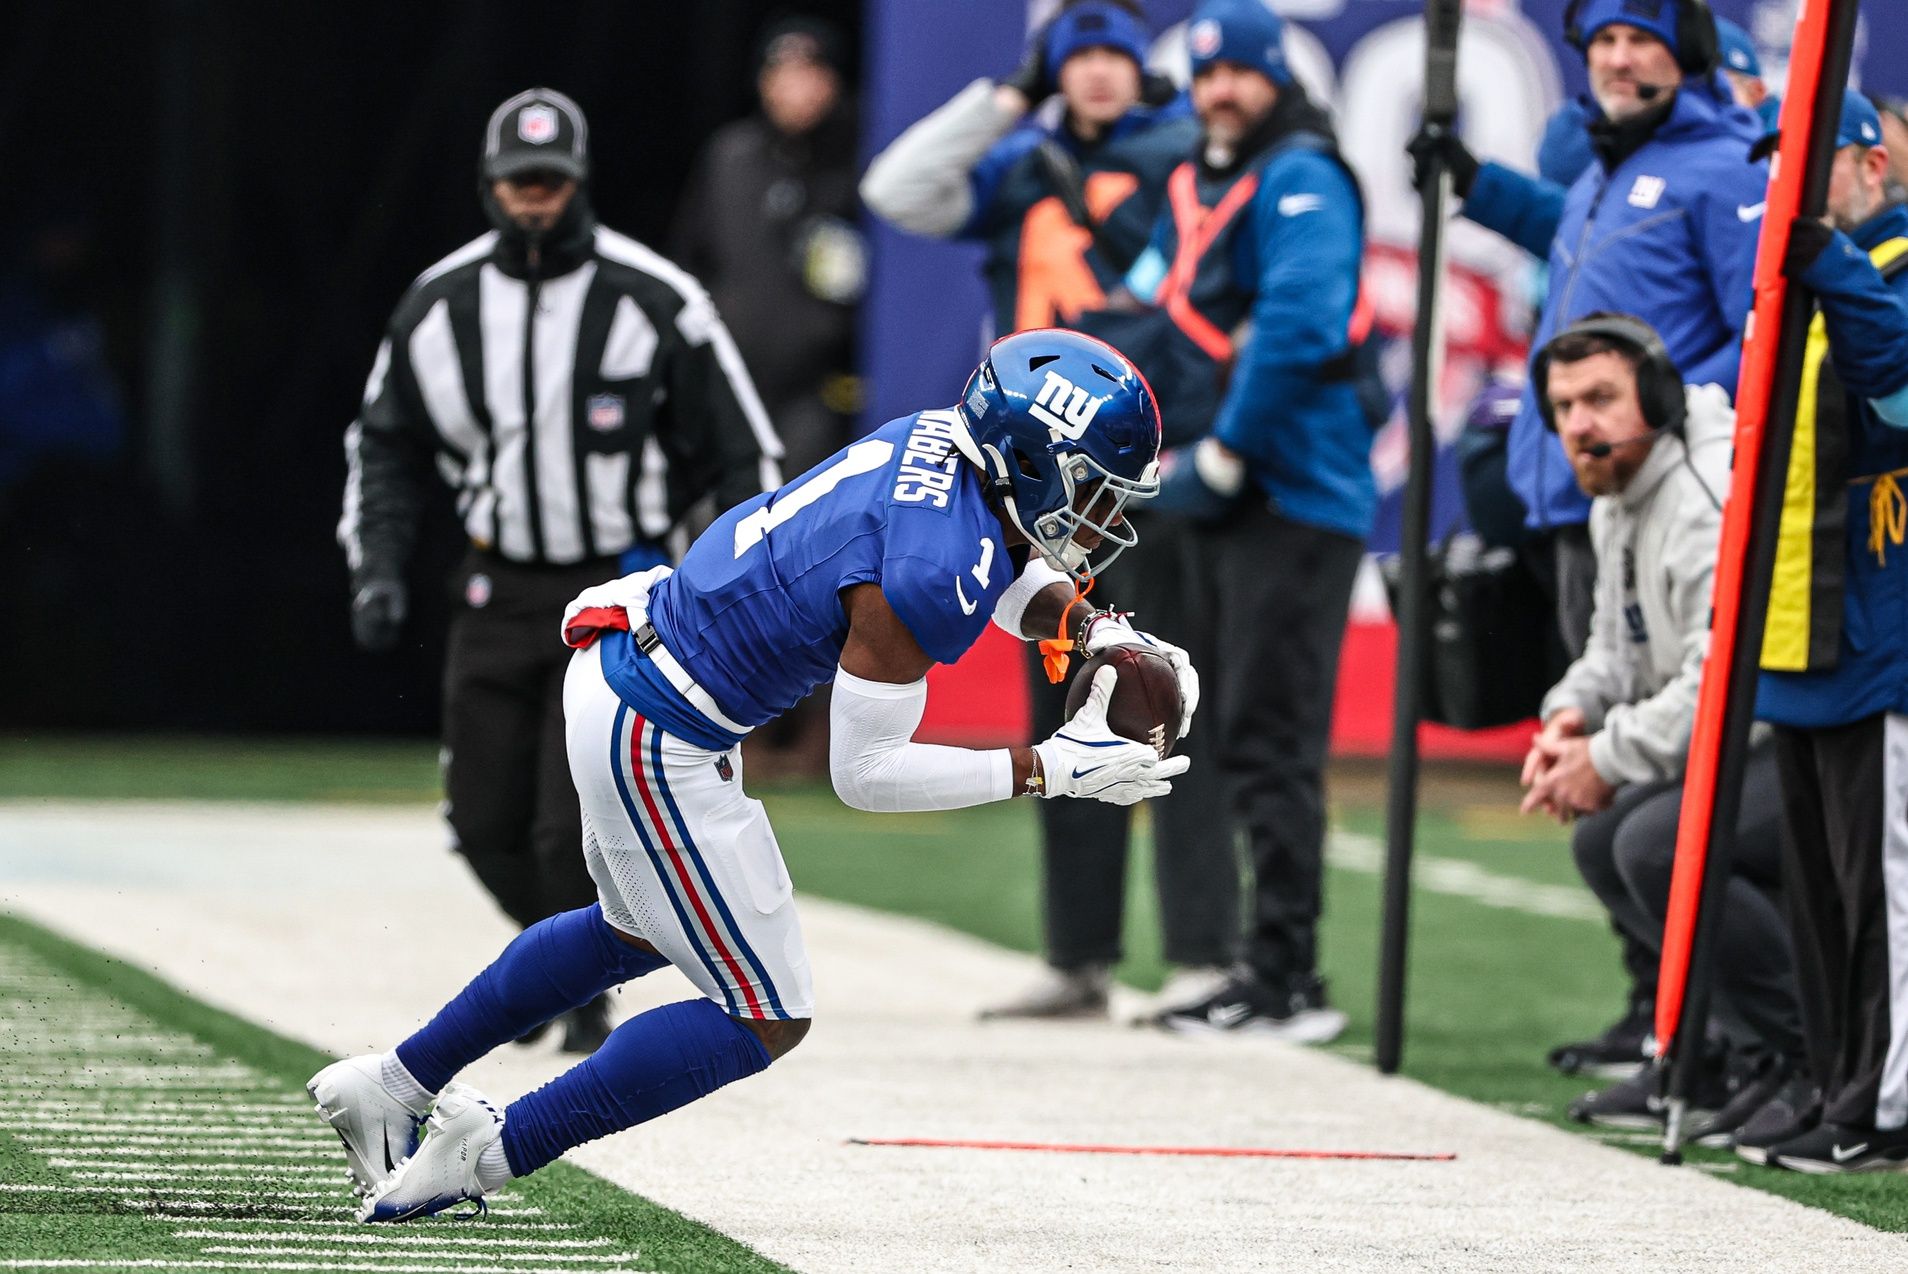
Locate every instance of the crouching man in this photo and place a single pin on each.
(1654, 458)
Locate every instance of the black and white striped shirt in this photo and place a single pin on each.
(574, 416)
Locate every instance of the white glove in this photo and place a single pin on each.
(1084, 758)
(1110, 630)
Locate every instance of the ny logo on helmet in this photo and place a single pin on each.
(1064, 407)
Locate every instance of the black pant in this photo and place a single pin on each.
(511, 803)
(1266, 603)
(1083, 843)
(1626, 854)
(1845, 869)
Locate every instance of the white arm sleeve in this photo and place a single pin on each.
(1011, 610)
(877, 766)
(920, 181)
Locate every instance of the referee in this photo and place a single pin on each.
(578, 393)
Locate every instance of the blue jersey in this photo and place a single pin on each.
(754, 613)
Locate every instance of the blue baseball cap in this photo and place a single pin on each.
(1861, 122)
(1242, 31)
(1091, 25)
(1737, 50)
(1658, 17)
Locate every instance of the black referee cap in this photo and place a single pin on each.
(540, 128)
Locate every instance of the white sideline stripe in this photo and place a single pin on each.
(424, 1254)
(96, 1151)
(228, 1196)
(135, 1173)
(163, 1073)
(169, 1128)
(507, 1227)
(146, 1137)
(292, 1236)
(93, 1104)
(1354, 851)
(149, 1263)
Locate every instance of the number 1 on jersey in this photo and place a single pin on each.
(864, 457)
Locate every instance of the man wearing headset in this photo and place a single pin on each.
(1653, 458)
(1661, 225)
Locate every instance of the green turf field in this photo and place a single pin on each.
(1509, 956)
(139, 1126)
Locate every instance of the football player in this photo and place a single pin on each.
(888, 558)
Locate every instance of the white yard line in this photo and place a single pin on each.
(1354, 851)
(281, 914)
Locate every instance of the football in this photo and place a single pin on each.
(1145, 706)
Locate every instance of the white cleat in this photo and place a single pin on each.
(377, 1129)
(443, 1172)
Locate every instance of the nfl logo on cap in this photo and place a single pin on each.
(537, 124)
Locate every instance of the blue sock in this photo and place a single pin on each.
(557, 964)
(651, 1064)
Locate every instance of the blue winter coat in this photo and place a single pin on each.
(1669, 235)
(1289, 264)
(1010, 187)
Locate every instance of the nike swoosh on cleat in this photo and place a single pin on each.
(1227, 1014)
(1842, 1154)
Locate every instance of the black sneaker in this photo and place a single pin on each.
(1836, 1148)
(1752, 1090)
(1634, 1103)
(1629, 1103)
(1298, 1011)
(585, 1028)
(1794, 1110)
(1625, 1045)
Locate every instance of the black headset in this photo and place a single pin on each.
(1698, 50)
(1659, 386)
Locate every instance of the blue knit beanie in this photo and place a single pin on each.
(1658, 17)
(1094, 24)
(1242, 31)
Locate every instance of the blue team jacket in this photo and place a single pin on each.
(1288, 263)
(1867, 324)
(1669, 235)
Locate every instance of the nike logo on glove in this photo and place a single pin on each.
(1080, 774)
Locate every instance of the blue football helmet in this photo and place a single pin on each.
(1057, 421)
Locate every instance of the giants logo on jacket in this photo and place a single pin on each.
(1064, 407)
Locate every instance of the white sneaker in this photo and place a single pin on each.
(377, 1129)
(443, 1172)
(1186, 984)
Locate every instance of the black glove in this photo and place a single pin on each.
(377, 613)
(1434, 141)
(1030, 77)
(1808, 240)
